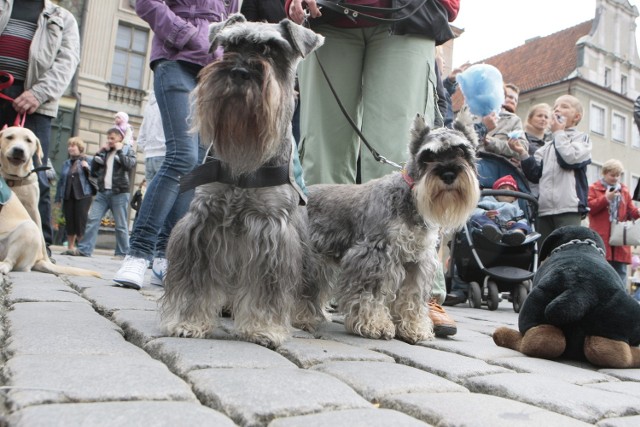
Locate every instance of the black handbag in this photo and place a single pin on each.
(429, 16)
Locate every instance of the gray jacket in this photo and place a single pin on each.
(53, 56)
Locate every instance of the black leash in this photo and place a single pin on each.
(376, 155)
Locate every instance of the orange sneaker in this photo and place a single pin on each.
(443, 324)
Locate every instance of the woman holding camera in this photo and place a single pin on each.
(609, 200)
(75, 191)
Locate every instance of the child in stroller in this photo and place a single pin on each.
(485, 262)
(499, 218)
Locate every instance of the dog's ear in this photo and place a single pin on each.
(216, 27)
(419, 131)
(464, 123)
(301, 39)
(39, 152)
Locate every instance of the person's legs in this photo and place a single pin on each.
(173, 84)
(398, 83)
(546, 224)
(99, 207)
(119, 205)
(328, 145)
(151, 167)
(621, 269)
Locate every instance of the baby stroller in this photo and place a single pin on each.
(492, 268)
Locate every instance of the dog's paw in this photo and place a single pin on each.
(5, 268)
(415, 330)
(189, 330)
(376, 328)
(270, 340)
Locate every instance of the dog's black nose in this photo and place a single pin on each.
(240, 73)
(17, 153)
(448, 177)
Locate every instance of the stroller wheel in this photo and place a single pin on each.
(519, 295)
(475, 296)
(494, 295)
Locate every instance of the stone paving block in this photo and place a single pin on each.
(309, 352)
(120, 414)
(623, 374)
(108, 299)
(475, 410)
(49, 290)
(375, 380)
(620, 422)
(183, 355)
(584, 403)
(484, 349)
(630, 388)
(333, 331)
(81, 283)
(254, 397)
(451, 366)
(351, 418)
(554, 369)
(139, 326)
(36, 380)
(63, 328)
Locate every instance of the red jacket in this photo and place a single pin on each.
(599, 218)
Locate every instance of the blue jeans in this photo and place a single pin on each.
(163, 205)
(151, 167)
(105, 200)
(621, 269)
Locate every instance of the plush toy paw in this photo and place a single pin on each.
(610, 353)
(508, 338)
(544, 341)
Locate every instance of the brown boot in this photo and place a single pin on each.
(443, 325)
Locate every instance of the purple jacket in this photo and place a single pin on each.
(181, 27)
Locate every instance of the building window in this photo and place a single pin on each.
(619, 128)
(623, 84)
(596, 121)
(130, 56)
(594, 172)
(607, 77)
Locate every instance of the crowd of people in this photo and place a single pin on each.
(385, 68)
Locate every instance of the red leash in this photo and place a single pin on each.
(20, 118)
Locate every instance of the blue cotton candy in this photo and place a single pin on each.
(482, 87)
(514, 134)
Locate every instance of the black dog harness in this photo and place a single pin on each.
(213, 170)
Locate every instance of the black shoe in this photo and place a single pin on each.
(454, 299)
(513, 238)
(491, 233)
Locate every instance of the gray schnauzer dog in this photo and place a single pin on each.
(242, 244)
(376, 242)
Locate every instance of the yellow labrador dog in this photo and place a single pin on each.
(22, 246)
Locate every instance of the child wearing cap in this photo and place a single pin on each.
(500, 218)
(121, 121)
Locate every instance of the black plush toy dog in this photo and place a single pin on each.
(577, 308)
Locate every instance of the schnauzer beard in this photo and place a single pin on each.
(245, 121)
(448, 206)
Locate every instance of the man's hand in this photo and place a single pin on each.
(297, 10)
(119, 145)
(26, 103)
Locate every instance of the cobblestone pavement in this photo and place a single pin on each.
(81, 352)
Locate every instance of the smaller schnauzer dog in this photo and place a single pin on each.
(242, 244)
(376, 242)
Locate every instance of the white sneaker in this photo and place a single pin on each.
(131, 273)
(158, 271)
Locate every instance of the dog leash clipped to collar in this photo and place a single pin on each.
(20, 118)
(376, 155)
(22, 180)
(579, 242)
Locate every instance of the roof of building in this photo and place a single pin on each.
(538, 62)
